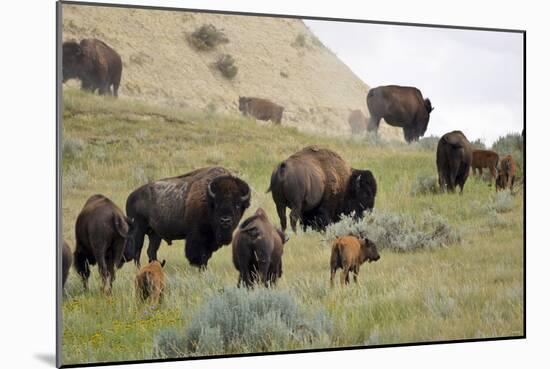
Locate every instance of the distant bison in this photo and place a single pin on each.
(485, 159)
(203, 207)
(258, 250)
(348, 253)
(94, 63)
(261, 109)
(400, 107)
(506, 173)
(101, 232)
(67, 261)
(357, 122)
(319, 186)
(151, 282)
(454, 158)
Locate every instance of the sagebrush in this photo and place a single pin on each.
(207, 37)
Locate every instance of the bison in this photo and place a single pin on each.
(400, 107)
(101, 232)
(319, 186)
(348, 253)
(151, 282)
(258, 250)
(261, 109)
(484, 159)
(203, 207)
(357, 122)
(66, 262)
(94, 63)
(453, 159)
(506, 173)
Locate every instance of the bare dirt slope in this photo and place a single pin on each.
(279, 59)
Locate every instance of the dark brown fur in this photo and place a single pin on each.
(485, 159)
(67, 261)
(182, 208)
(151, 282)
(506, 174)
(348, 253)
(94, 63)
(454, 158)
(357, 122)
(258, 250)
(101, 232)
(261, 109)
(400, 106)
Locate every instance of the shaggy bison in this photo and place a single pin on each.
(348, 253)
(261, 109)
(400, 107)
(101, 232)
(203, 207)
(151, 282)
(94, 63)
(357, 122)
(258, 250)
(319, 186)
(506, 173)
(66, 262)
(485, 159)
(454, 158)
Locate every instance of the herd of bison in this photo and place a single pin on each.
(205, 206)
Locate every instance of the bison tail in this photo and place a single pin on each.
(119, 223)
(277, 175)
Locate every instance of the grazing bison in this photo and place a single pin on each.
(319, 186)
(203, 207)
(261, 109)
(67, 261)
(506, 173)
(454, 158)
(485, 159)
(151, 282)
(101, 232)
(258, 250)
(348, 253)
(94, 63)
(400, 107)
(357, 122)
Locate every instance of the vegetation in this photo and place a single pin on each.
(207, 37)
(226, 65)
(472, 288)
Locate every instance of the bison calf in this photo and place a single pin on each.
(349, 253)
(261, 109)
(151, 282)
(484, 159)
(67, 261)
(258, 250)
(506, 173)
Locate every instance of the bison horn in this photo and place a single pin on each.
(210, 192)
(246, 197)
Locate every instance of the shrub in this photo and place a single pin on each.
(72, 148)
(300, 40)
(168, 343)
(505, 145)
(425, 185)
(207, 37)
(74, 178)
(503, 202)
(226, 65)
(427, 143)
(397, 232)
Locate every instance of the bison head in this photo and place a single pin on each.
(73, 57)
(361, 192)
(369, 251)
(243, 104)
(228, 198)
(129, 248)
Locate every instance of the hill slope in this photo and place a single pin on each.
(279, 59)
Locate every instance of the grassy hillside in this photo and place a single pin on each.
(470, 289)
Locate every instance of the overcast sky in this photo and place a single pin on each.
(474, 79)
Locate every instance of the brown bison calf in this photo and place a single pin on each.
(258, 250)
(261, 109)
(485, 159)
(151, 281)
(67, 261)
(349, 253)
(506, 173)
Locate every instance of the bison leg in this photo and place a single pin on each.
(295, 216)
(441, 181)
(374, 123)
(138, 238)
(344, 277)
(197, 252)
(281, 211)
(104, 272)
(263, 270)
(154, 244)
(332, 275)
(82, 267)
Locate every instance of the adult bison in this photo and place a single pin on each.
(94, 63)
(400, 107)
(261, 109)
(485, 159)
(319, 186)
(203, 207)
(357, 122)
(454, 158)
(101, 232)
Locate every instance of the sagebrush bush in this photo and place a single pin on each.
(207, 37)
(72, 148)
(503, 202)
(425, 185)
(300, 40)
(397, 232)
(239, 320)
(74, 178)
(168, 343)
(226, 65)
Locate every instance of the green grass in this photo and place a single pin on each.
(469, 290)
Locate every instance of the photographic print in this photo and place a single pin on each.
(244, 184)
